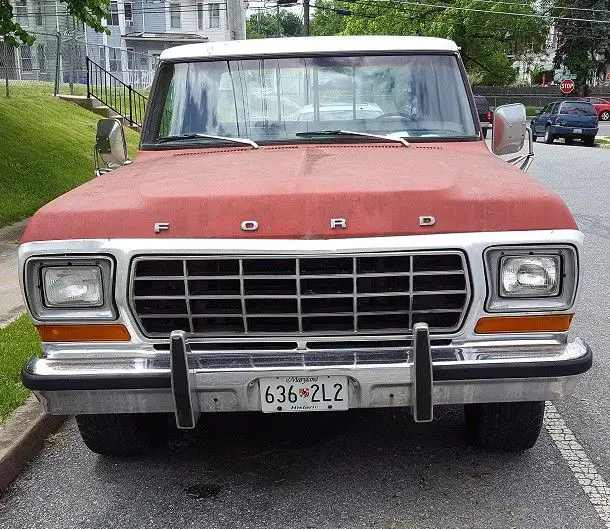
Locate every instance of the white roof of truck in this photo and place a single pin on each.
(306, 45)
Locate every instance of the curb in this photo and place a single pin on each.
(22, 437)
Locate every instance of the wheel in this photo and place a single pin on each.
(604, 115)
(484, 133)
(123, 434)
(569, 141)
(504, 426)
(589, 141)
(548, 135)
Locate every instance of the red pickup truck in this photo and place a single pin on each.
(375, 254)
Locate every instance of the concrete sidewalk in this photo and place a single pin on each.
(11, 303)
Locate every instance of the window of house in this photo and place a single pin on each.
(199, 16)
(39, 13)
(131, 59)
(115, 59)
(103, 57)
(174, 15)
(26, 57)
(128, 11)
(42, 58)
(214, 15)
(114, 14)
(22, 13)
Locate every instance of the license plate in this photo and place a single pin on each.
(577, 131)
(307, 393)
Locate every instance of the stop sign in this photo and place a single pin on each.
(566, 86)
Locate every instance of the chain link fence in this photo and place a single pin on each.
(57, 62)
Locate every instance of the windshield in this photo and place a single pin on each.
(271, 100)
(581, 108)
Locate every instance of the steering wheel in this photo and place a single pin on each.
(401, 115)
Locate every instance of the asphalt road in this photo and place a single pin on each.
(373, 469)
(604, 128)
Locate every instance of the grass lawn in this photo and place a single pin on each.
(46, 149)
(18, 342)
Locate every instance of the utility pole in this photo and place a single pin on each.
(279, 27)
(306, 17)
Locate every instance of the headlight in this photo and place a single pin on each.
(66, 288)
(530, 279)
(72, 286)
(534, 276)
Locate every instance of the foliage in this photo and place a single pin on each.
(91, 12)
(18, 342)
(489, 42)
(48, 152)
(264, 25)
(537, 73)
(584, 47)
(326, 20)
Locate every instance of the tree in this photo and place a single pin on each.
(583, 46)
(263, 25)
(490, 41)
(91, 12)
(327, 19)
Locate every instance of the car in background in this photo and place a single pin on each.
(569, 119)
(601, 106)
(485, 113)
(341, 112)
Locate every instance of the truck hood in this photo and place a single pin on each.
(293, 192)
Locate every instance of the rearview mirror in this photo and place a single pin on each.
(110, 145)
(509, 129)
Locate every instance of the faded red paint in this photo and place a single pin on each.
(294, 191)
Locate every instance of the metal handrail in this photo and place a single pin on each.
(115, 94)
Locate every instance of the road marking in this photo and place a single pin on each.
(591, 482)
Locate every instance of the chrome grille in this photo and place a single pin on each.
(320, 295)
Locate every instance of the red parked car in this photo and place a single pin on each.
(602, 107)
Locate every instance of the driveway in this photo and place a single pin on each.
(11, 303)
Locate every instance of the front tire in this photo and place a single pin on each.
(589, 141)
(504, 426)
(123, 434)
(605, 115)
(548, 135)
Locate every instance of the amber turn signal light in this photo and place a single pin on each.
(506, 324)
(84, 333)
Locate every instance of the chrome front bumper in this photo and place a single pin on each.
(218, 381)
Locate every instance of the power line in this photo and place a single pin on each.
(386, 4)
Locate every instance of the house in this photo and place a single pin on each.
(139, 31)
(142, 29)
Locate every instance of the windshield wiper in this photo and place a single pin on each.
(351, 133)
(195, 135)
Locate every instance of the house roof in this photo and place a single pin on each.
(313, 45)
(165, 37)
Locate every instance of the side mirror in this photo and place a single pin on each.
(110, 145)
(509, 129)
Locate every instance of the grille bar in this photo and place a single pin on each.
(384, 293)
